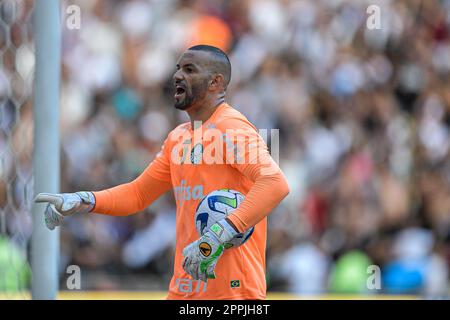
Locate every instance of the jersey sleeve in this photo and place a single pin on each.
(138, 194)
(247, 152)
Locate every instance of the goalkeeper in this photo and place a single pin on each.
(202, 76)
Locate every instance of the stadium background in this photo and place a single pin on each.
(364, 119)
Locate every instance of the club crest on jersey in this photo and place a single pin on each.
(205, 248)
(197, 154)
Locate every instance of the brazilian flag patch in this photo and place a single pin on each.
(235, 283)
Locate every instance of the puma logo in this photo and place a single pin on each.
(205, 249)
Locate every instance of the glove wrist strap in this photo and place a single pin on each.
(223, 231)
(88, 200)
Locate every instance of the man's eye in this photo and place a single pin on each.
(189, 69)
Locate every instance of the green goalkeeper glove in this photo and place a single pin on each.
(201, 256)
(61, 205)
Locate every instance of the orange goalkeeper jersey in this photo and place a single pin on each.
(224, 152)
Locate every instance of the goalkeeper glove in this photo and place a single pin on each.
(61, 205)
(201, 256)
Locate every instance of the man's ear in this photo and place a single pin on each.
(217, 81)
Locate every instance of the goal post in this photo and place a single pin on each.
(46, 155)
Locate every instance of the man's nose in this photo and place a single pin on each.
(178, 76)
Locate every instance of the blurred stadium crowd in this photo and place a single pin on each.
(364, 119)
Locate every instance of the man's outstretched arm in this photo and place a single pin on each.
(131, 197)
(121, 200)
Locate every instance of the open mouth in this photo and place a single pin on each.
(179, 91)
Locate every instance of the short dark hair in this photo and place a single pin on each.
(221, 64)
